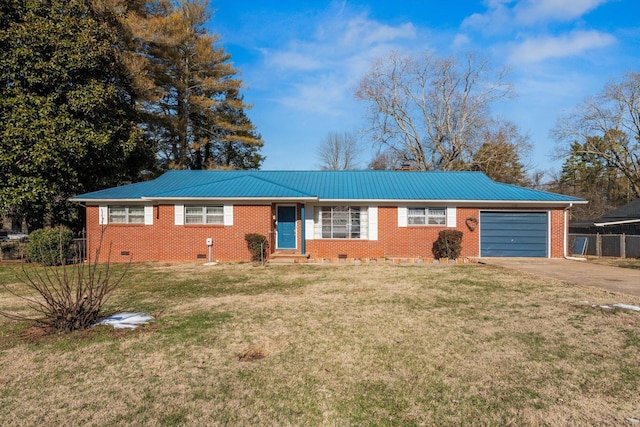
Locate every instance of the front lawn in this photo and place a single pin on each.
(331, 345)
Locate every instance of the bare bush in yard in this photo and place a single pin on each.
(70, 296)
(257, 245)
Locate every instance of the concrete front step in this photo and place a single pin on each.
(287, 258)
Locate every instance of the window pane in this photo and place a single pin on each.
(340, 222)
(193, 210)
(215, 219)
(193, 219)
(215, 210)
(416, 220)
(196, 214)
(136, 214)
(117, 210)
(339, 234)
(437, 216)
(436, 220)
(117, 214)
(136, 210)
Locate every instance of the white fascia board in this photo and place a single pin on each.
(627, 221)
(470, 203)
(108, 201)
(231, 199)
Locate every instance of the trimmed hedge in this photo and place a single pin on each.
(50, 246)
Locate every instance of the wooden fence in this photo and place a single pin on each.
(605, 245)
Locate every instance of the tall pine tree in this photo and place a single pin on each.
(196, 115)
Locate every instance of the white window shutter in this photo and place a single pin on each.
(228, 215)
(373, 223)
(451, 216)
(103, 215)
(317, 226)
(148, 215)
(402, 216)
(364, 223)
(178, 215)
(308, 222)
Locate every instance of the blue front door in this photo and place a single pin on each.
(286, 227)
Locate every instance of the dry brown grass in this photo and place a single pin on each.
(334, 345)
(617, 262)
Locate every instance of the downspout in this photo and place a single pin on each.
(566, 233)
(303, 240)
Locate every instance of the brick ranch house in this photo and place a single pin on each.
(323, 216)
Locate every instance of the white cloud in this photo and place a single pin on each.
(572, 44)
(504, 15)
(328, 60)
(461, 40)
(361, 31)
(530, 12)
(323, 96)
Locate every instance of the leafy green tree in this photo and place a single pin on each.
(67, 116)
(197, 117)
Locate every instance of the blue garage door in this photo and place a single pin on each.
(514, 234)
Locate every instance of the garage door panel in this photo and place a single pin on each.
(517, 233)
(516, 240)
(509, 219)
(513, 234)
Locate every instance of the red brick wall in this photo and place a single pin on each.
(558, 230)
(164, 241)
(394, 241)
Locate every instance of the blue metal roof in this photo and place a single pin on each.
(326, 185)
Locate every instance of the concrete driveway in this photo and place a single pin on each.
(615, 279)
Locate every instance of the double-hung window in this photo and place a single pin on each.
(204, 215)
(126, 214)
(341, 222)
(426, 216)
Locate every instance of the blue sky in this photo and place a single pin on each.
(301, 60)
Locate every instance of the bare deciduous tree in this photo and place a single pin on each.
(432, 109)
(388, 159)
(607, 127)
(339, 151)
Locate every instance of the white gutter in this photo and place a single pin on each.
(243, 199)
(627, 221)
(469, 203)
(75, 200)
(174, 199)
(461, 202)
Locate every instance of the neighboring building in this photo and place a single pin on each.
(624, 220)
(323, 215)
